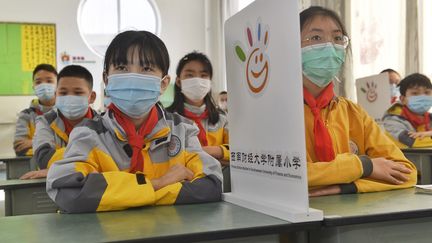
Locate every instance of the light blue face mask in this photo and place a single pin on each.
(45, 91)
(420, 104)
(73, 107)
(322, 62)
(134, 94)
(394, 90)
(107, 101)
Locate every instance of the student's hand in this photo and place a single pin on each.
(389, 171)
(175, 174)
(324, 191)
(420, 134)
(224, 162)
(22, 144)
(35, 174)
(215, 151)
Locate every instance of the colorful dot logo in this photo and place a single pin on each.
(257, 60)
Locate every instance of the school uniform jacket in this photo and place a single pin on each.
(217, 134)
(94, 173)
(50, 138)
(25, 125)
(397, 128)
(356, 139)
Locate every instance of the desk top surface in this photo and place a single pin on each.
(417, 150)
(15, 159)
(17, 183)
(183, 223)
(373, 207)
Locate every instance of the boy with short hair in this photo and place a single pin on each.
(73, 96)
(409, 122)
(44, 84)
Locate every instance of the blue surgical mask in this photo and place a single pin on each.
(394, 90)
(420, 104)
(107, 101)
(45, 91)
(73, 107)
(322, 62)
(134, 94)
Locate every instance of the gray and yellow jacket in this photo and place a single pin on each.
(217, 134)
(25, 125)
(397, 128)
(94, 173)
(50, 138)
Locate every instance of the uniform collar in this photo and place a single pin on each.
(195, 109)
(158, 136)
(37, 105)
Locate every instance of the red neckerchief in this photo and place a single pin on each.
(202, 136)
(68, 126)
(414, 119)
(323, 142)
(136, 139)
(38, 111)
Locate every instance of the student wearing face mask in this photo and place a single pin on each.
(409, 122)
(223, 101)
(72, 106)
(193, 100)
(394, 80)
(44, 85)
(136, 154)
(346, 150)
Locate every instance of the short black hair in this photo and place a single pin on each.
(389, 70)
(46, 67)
(223, 92)
(179, 97)
(152, 51)
(414, 80)
(76, 71)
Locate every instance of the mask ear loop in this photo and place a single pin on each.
(160, 92)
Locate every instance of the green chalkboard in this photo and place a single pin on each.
(22, 47)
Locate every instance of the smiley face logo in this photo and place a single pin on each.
(257, 61)
(371, 91)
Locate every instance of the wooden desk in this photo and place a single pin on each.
(17, 166)
(26, 197)
(392, 216)
(183, 223)
(422, 158)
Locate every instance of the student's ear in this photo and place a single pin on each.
(403, 99)
(177, 82)
(92, 97)
(164, 83)
(105, 78)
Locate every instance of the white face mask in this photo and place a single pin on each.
(223, 105)
(195, 89)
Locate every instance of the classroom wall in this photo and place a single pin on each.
(184, 28)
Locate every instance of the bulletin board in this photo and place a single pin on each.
(22, 47)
